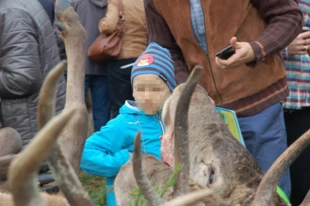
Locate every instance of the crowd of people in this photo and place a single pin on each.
(266, 81)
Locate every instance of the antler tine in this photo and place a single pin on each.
(74, 134)
(190, 198)
(23, 185)
(306, 201)
(269, 182)
(74, 36)
(144, 184)
(181, 131)
(62, 169)
(67, 180)
(47, 96)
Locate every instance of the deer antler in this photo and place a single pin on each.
(74, 36)
(190, 198)
(47, 96)
(144, 184)
(306, 201)
(23, 185)
(65, 176)
(181, 132)
(269, 182)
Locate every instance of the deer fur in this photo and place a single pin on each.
(152, 168)
(8, 149)
(217, 161)
(125, 180)
(144, 167)
(213, 150)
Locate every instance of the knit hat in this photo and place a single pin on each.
(155, 60)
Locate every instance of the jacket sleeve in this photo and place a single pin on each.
(107, 24)
(20, 69)
(159, 32)
(284, 22)
(104, 153)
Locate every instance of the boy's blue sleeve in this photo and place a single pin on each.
(104, 153)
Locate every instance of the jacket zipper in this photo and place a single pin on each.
(161, 124)
(207, 54)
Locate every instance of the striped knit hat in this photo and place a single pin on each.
(155, 60)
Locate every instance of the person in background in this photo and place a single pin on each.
(252, 81)
(48, 6)
(90, 13)
(134, 43)
(297, 105)
(106, 151)
(28, 51)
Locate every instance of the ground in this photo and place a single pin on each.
(95, 186)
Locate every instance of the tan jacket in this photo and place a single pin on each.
(135, 35)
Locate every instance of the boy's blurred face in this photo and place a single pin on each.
(150, 92)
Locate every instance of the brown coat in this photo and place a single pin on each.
(135, 35)
(236, 88)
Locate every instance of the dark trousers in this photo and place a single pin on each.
(297, 123)
(100, 99)
(119, 82)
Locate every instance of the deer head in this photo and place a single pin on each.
(217, 161)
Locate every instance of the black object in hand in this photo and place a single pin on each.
(226, 52)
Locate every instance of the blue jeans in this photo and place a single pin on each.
(100, 99)
(265, 137)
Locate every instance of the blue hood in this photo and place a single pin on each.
(130, 107)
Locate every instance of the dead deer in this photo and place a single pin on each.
(217, 161)
(148, 167)
(265, 191)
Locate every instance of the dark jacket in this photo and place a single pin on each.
(269, 26)
(48, 6)
(28, 51)
(90, 13)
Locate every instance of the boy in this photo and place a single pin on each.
(107, 150)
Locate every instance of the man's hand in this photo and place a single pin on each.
(300, 44)
(243, 54)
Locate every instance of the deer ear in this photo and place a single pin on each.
(166, 112)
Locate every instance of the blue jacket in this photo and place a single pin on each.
(107, 150)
